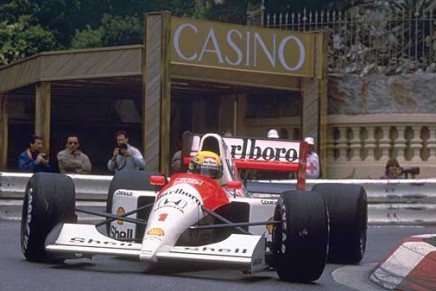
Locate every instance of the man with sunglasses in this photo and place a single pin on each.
(72, 160)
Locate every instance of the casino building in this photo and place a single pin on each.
(191, 75)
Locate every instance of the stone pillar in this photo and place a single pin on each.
(157, 91)
(43, 113)
(385, 143)
(400, 144)
(431, 144)
(370, 144)
(331, 144)
(355, 144)
(416, 144)
(342, 144)
(4, 122)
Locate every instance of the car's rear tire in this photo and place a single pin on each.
(348, 213)
(300, 241)
(49, 200)
(131, 180)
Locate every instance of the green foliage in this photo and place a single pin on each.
(30, 26)
(283, 6)
(118, 30)
(21, 39)
(232, 11)
(87, 38)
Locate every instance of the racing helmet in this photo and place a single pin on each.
(206, 163)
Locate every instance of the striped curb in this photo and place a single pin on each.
(410, 266)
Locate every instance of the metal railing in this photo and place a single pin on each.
(389, 201)
(365, 38)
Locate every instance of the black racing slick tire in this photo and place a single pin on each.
(49, 200)
(300, 240)
(348, 213)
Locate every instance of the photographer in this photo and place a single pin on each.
(32, 159)
(393, 170)
(124, 156)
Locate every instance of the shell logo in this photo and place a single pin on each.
(156, 231)
(120, 212)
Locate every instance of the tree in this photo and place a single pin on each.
(20, 34)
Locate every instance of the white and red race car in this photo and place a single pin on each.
(254, 226)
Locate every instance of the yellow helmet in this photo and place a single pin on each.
(206, 163)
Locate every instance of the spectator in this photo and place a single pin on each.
(176, 162)
(227, 133)
(312, 164)
(272, 133)
(393, 170)
(71, 159)
(124, 156)
(273, 175)
(33, 159)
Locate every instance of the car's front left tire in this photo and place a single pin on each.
(49, 200)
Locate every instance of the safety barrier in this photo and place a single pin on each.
(389, 201)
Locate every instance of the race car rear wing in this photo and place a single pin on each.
(252, 153)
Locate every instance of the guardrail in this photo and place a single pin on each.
(389, 201)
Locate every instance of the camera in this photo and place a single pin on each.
(412, 171)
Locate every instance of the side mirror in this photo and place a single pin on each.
(234, 185)
(158, 180)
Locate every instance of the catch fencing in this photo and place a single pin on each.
(374, 37)
(389, 201)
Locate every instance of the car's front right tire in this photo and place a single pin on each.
(300, 240)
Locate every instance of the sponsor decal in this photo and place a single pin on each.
(28, 219)
(216, 250)
(120, 212)
(188, 181)
(82, 240)
(250, 150)
(124, 193)
(210, 161)
(163, 216)
(172, 202)
(156, 231)
(284, 220)
(180, 191)
(120, 234)
(268, 202)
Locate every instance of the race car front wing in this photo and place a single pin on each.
(81, 240)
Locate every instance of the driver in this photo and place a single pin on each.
(208, 164)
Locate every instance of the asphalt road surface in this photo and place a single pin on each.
(107, 273)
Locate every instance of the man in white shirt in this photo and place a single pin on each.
(125, 157)
(312, 165)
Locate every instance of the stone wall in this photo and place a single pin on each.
(378, 94)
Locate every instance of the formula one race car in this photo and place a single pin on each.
(207, 214)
